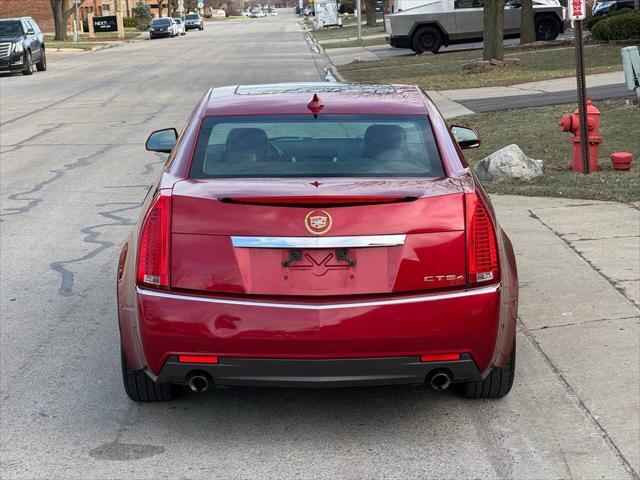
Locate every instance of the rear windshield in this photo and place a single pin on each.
(10, 29)
(192, 17)
(327, 146)
(161, 21)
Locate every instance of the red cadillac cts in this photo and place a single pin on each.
(316, 235)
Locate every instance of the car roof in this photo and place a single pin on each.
(15, 19)
(337, 98)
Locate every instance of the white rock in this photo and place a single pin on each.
(508, 164)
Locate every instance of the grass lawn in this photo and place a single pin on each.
(53, 45)
(129, 33)
(535, 130)
(345, 32)
(371, 42)
(445, 70)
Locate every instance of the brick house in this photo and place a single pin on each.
(40, 10)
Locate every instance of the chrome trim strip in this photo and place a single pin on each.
(321, 306)
(319, 242)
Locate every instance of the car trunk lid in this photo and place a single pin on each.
(317, 238)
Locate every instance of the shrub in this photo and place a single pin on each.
(142, 15)
(625, 26)
(591, 21)
(129, 22)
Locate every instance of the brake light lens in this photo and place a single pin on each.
(153, 251)
(197, 359)
(439, 357)
(318, 201)
(482, 250)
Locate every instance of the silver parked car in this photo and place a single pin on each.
(193, 21)
(180, 27)
(434, 23)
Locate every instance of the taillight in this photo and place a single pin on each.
(153, 251)
(482, 250)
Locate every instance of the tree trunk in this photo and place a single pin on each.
(527, 26)
(59, 21)
(493, 14)
(371, 13)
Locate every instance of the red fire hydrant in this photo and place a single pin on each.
(571, 123)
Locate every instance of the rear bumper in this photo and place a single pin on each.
(167, 324)
(320, 373)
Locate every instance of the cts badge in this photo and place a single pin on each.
(317, 222)
(443, 278)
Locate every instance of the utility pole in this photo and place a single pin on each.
(359, 19)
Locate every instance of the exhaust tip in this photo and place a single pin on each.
(198, 382)
(440, 381)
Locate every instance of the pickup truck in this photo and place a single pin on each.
(427, 27)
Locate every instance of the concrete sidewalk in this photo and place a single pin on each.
(465, 101)
(579, 272)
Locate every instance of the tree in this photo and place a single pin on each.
(527, 24)
(61, 13)
(142, 15)
(371, 12)
(161, 4)
(493, 13)
(172, 6)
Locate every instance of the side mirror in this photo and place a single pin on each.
(31, 31)
(162, 141)
(465, 136)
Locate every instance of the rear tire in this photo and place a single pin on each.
(140, 387)
(547, 28)
(426, 39)
(41, 66)
(28, 64)
(497, 384)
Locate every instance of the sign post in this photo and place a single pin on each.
(76, 28)
(359, 20)
(577, 13)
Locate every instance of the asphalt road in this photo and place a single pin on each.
(73, 172)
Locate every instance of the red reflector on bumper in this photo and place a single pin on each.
(196, 359)
(439, 357)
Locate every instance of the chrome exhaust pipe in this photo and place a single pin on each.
(440, 381)
(198, 382)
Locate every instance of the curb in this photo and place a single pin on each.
(326, 69)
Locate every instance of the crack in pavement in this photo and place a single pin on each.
(578, 401)
(22, 143)
(57, 174)
(148, 167)
(609, 280)
(91, 236)
(575, 324)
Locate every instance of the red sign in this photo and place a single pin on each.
(577, 9)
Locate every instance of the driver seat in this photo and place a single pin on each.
(246, 145)
(385, 142)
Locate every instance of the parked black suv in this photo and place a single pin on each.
(21, 45)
